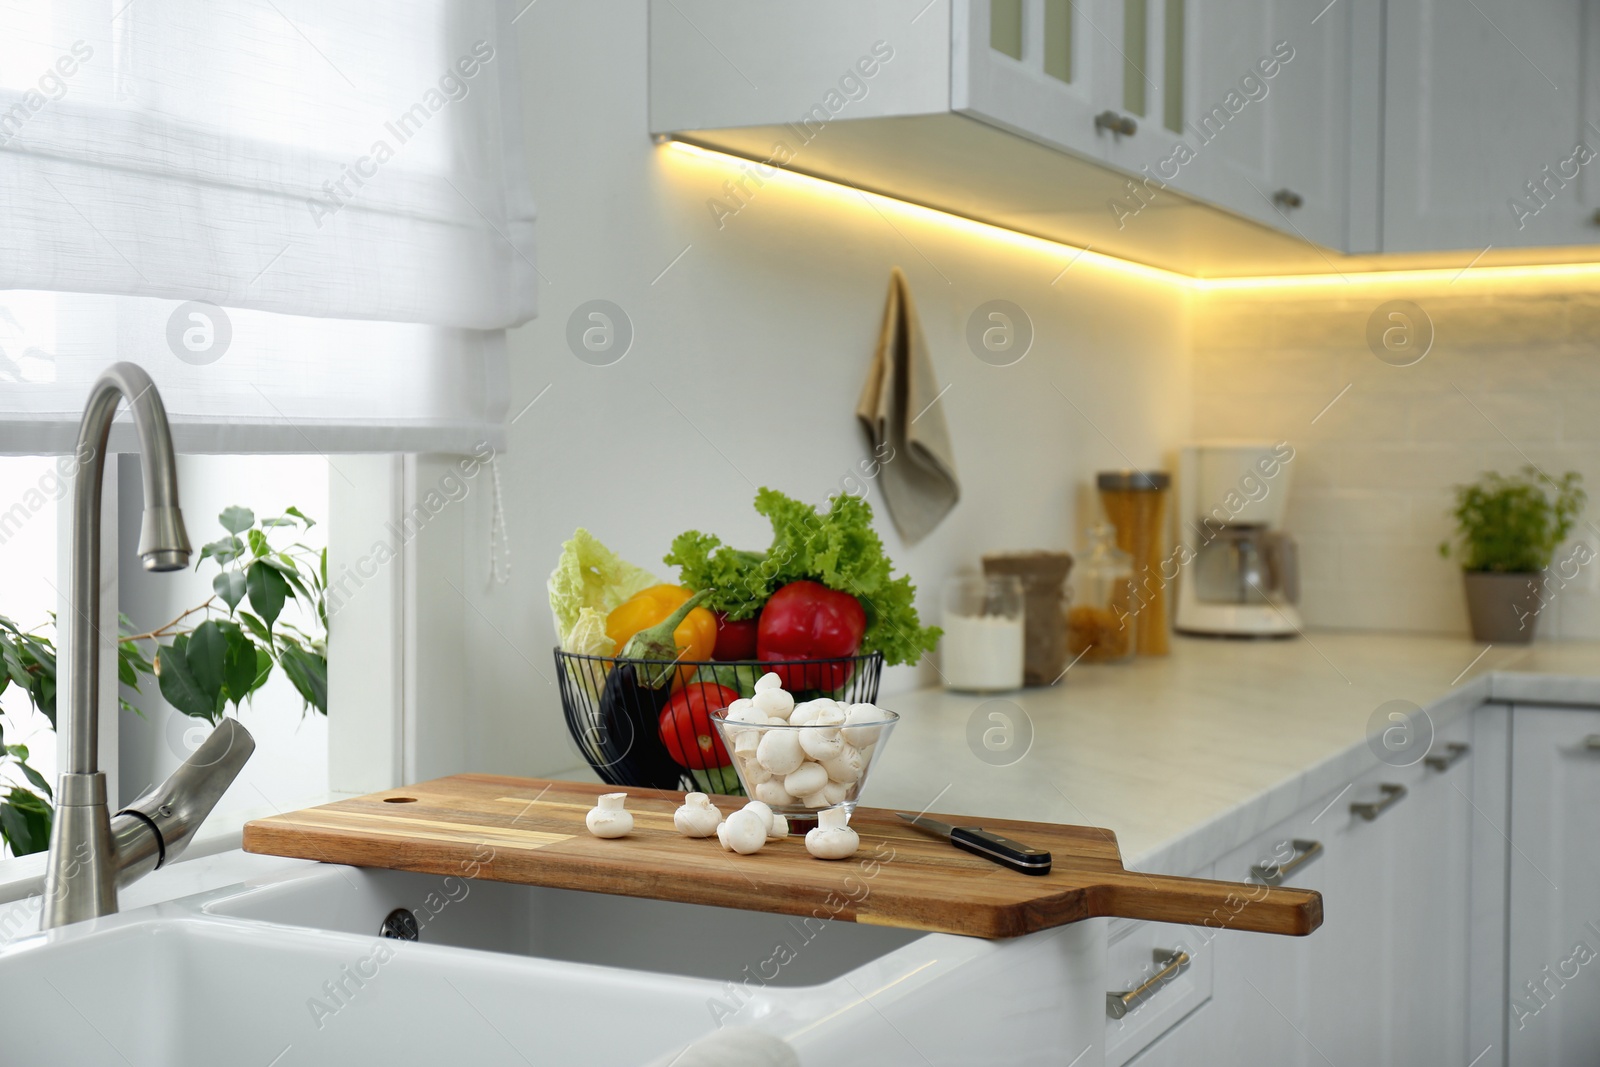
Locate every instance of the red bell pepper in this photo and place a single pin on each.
(686, 728)
(809, 621)
(735, 639)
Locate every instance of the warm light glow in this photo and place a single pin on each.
(823, 187)
(1544, 272)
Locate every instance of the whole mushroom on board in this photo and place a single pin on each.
(744, 832)
(697, 817)
(609, 818)
(832, 839)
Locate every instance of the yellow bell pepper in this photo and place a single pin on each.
(695, 636)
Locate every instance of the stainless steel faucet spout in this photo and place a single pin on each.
(88, 854)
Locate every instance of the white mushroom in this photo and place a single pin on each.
(806, 713)
(775, 702)
(846, 766)
(808, 778)
(777, 825)
(743, 832)
(770, 680)
(745, 741)
(832, 839)
(774, 793)
(754, 773)
(779, 750)
(862, 736)
(609, 819)
(697, 817)
(742, 704)
(829, 713)
(820, 742)
(835, 792)
(819, 799)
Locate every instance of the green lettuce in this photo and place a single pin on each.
(839, 549)
(589, 581)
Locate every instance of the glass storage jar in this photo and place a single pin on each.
(1100, 623)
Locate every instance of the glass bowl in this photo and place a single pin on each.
(839, 756)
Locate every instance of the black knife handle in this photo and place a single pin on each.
(1001, 850)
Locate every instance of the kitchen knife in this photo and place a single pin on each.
(980, 842)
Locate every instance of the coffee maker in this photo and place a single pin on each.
(1239, 573)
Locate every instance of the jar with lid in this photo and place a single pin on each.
(1100, 622)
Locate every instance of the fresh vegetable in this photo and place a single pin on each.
(838, 549)
(693, 639)
(738, 678)
(589, 582)
(808, 621)
(631, 703)
(660, 640)
(686, 727)
(736, 638)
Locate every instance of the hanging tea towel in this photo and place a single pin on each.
(903, 412)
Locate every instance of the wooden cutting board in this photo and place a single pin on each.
(531, 832)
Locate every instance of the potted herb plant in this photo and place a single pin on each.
(1507, 531)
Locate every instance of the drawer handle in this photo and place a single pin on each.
(1452, 755)
(1275, 873)
(1371, 809)
(1169, 962)
(1592, 741)
(1118, 124)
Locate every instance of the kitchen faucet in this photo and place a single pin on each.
(91, 853)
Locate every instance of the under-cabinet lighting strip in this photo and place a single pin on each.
(1411, 276)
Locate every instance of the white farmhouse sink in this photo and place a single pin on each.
(289, 970)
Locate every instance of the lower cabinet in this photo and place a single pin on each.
(1553, 1013)
(1384, 981)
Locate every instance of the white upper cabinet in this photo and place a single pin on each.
(1211, 137)
(1487, 128)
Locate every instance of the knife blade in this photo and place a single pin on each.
(990, 846)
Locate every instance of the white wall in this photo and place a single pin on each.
(749, 354)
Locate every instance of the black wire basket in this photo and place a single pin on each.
(618, 726)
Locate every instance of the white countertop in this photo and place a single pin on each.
(1189, 756)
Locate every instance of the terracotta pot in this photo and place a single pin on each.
(1502, 607)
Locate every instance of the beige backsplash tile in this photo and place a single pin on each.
(1513, 377)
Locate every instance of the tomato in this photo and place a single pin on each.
(687, 731)
(808, 621)
(735, 640)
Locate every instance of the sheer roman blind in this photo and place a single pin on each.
(308, 219)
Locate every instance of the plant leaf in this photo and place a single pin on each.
(35, 777)
(177, 683)
(239, 667)
(263, 670)
(25, 822)
(208, 647)
(267, 590)
(297, 513)
(256, 627)
(258, 543)
(309, 673)
(229, 585)
(237, 520)
(224, 550)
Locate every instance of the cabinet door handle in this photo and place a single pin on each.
(1452, 755)
(1287, 198)
(1275, 873)
(1169, 964)
(1371, 809)
(1592, 741)
(1118, 124)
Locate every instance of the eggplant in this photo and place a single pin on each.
(636, 691)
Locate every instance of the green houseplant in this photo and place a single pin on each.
(1507, 531)
(217, 653)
